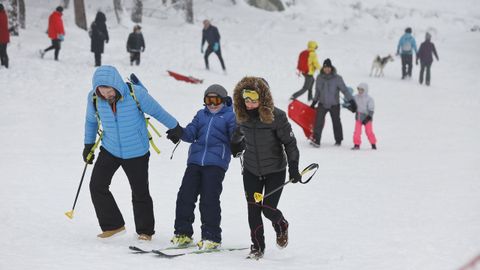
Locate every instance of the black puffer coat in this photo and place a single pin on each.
(98, 33)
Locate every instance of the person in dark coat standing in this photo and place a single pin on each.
(4, 36)
(327, 94)
(55, 31)
(427, 48)
(135, 45)
(265, 134)
(99, 36)
(211, 35)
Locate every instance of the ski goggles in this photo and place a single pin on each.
(212, 100)
(250, 94)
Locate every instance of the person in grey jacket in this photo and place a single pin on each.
(265, 134)
(427, 48)
(327, 94)
(364, 117)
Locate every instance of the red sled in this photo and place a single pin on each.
(184, 78)
(303, 115)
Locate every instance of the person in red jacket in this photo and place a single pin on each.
(55, 32)
(4, 36)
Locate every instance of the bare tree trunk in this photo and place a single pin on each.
(66, 3)
(117, 6)
(80, 17)
(189, 11)
(21, 10)
(13, 17)
(137, 11)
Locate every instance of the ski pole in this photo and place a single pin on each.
(258, 197)
(69, 214)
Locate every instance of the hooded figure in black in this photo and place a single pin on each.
(99, 36)
(265, 134)
(427, 49)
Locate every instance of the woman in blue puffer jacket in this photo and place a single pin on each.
(208, 158)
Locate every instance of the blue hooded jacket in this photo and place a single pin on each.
(406, 44)
(124, 132)
(210, 135)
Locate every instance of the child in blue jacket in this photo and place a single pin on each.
(208, 158)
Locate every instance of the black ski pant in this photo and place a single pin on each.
(3, 54)
(98, 59)
(135, 57)
(320, 122)
(205, 181)
(108, 214)
(252, 184)
(218, 53)
(425, 67)
(307, 86)
(55, 46)
(407, 60)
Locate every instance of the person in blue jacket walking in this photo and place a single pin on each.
(208, 158)
(125, 143)
(211, 35)
(405, 48)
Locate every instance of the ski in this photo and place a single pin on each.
(137, 250)
(161, 253)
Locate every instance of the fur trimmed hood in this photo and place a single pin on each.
(265, 110)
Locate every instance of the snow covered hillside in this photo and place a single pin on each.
(410, 205)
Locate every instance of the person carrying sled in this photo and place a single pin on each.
(99, 36)
(55, 31)
(135, 45)
(405, 48)
(427, 49)
(4, 36)
(307, 65)
(125, 143)
(265, 134)
(208, 158)
(363, 117)
(211, 35)
(327, 94)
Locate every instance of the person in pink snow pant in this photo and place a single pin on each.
(364, 117)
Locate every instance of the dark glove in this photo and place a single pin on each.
(237, 148)
(352, 106)
(175, 134)
(367, 119)
(106, 41)
(86, 151)
(294, 175)
(313, 105)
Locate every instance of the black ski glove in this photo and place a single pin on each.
(367, 119)
(237, 148)
(293, 172)
(175, 134)
(86, 151)
(353, 106)
(313, 104)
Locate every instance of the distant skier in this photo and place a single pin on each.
(427, 48)
(364, 117)
(4, 36)
(265, 134)
(135, 45)
(211, 35)
(405, 48)
(55, 31)
(208, 158)
(99, 36)
(307, 65)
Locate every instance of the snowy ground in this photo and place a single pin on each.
(410, 205)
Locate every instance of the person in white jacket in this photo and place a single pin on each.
(364, 116)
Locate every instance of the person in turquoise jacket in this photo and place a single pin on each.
(405, 48)
(125, 143)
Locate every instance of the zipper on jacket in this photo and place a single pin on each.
(206, 140)
(255, 143)
(223, 151)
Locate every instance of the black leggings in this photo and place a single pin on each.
(252, 184)
(55, 45)
(3, 54)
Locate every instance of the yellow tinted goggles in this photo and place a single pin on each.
(250, 94)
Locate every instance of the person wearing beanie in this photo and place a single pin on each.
(266, 139)
(307, 65)
(99, 36)
(405, 48)
(4, 37)
(135, 45)
(209, 136)
(327, 94)
(364, 117)
(55, 31)
(427, 49)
